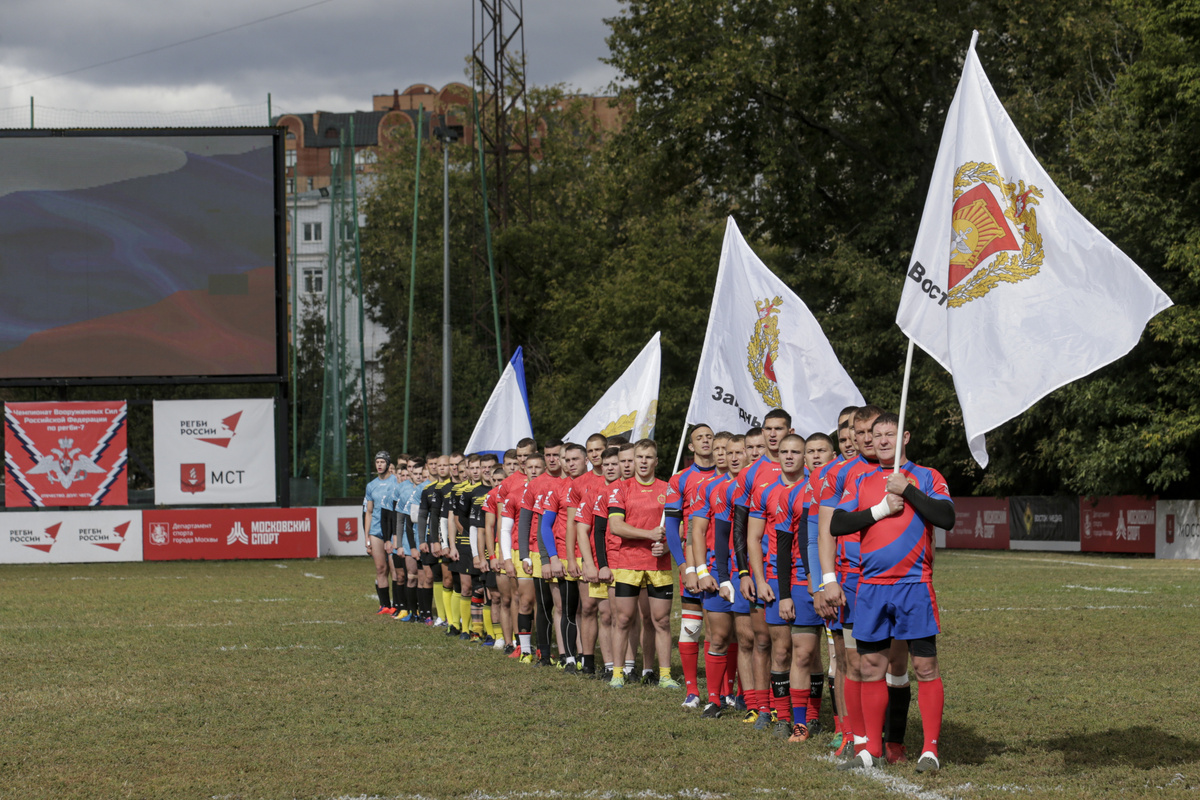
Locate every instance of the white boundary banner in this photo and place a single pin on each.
(339, 531)
(70, 537)
(1177, 529)
(210, 452)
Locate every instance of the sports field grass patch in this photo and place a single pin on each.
(1066, 675)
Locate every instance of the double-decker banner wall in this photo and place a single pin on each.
(211, 452)
(64, 537)
(65, 454)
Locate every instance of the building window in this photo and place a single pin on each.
(291, 185)
(289, 158)
(364, 157)
(335, 157)
(312, 231)
(310, 184)
(314, 280)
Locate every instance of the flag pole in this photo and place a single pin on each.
(679, 452)
(903, 405)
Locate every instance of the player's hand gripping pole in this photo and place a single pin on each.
(903, 405)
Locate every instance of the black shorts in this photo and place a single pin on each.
(489, 580)
(397, 560)
(427, 559)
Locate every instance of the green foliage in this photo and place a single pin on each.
(817, 125)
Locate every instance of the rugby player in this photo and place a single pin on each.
(524, 566)
(839, 565)
(895, 514)
(728, 454)
(591, 524)
(639, 558)
(373, 500)
(763, 450)
(684, 496)
(558, 517)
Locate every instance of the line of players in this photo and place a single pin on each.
(579, 540)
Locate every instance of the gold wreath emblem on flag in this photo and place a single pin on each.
(991, 241)
(763, 349)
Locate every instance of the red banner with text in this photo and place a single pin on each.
(1123, 524)
(980, 523)
(65, 454)
(229, 533)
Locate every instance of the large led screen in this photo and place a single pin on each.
(139, 254)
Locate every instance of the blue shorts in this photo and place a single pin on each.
(801, 601)
(684, 594)
(898, 611)
(715, 603)
(850, 590)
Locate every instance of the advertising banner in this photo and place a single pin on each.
(1117, 524)
(65, 454)
(980, 523)
(1044, 523)
(209, 452)
(339, 530)
(1177, 529)
(64, 537)
(229, 533)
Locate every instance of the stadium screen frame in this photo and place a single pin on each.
(276, 136)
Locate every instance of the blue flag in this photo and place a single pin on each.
(505, 419)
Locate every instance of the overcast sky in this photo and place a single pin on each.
(333, 55)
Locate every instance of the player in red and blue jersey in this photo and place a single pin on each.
(558, 516)
(772, 541)
(846, 451)
(684, 496)
(839, 561)
(895, 514)
(752, 483)
(706, 531)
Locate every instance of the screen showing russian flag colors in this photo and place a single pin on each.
(65, 454)
(139, 254)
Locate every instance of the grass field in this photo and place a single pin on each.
(1066, 675)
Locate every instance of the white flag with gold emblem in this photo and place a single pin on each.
(764, 349)
(1009, 287)
(630, 406)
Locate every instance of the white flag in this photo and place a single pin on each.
(1009, 287)
(630, 405)
(505, 419)
(764, 350)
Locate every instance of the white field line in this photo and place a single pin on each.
(318, 577)
(1116, 589)
(1066, 608)
(1049, 562)
(893, 783)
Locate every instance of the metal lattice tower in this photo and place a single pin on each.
(498, 64)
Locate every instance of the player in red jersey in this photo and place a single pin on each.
(684, 496)
(524, 567)
(591, 521)
(709, 527)
(771, 537)
(490, 563)
(642, 632)
(840, 562)
(896, 513)
(751, 484)
(837, 668)
(558, 518)
(639, 558)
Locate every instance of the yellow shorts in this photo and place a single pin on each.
(643, 577)
(598, 590)
(578, 565)
(519, 566)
